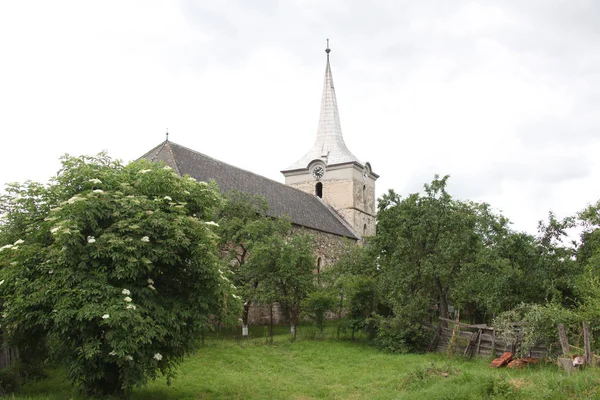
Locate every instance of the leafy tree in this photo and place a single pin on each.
(114, 267)
(425, 244)
(244, 224)
(354, 279)
(317, 304)
(283, 266)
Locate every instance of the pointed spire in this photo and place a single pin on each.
(329, 146)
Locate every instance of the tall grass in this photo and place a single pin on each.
(228, 367)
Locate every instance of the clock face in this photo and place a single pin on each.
(318, 172)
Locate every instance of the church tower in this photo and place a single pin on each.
(331, 172)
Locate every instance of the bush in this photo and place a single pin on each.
(115, 268)
(316, 306)
(396, 336)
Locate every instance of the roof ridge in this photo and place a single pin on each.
(303, 208)
(241, 169)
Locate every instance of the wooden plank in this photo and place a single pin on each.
(586, 343)
(564, 342)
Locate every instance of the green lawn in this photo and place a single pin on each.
(227, 368)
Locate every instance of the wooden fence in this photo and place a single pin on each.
(475, 340)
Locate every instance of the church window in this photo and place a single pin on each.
(319, 189)
(318, 269)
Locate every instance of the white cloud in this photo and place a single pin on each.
(500, 95)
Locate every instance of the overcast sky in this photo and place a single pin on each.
(504, 96)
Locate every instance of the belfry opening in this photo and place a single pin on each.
(319, 190)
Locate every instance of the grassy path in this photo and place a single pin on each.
(226, 369)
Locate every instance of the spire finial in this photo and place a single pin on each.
(327, 50)
(167, 135)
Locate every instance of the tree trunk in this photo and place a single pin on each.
(443, 302)
(271, 322)
(340, 314)
(294, 320)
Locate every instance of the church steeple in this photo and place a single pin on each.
(329, 147)
(332, 173)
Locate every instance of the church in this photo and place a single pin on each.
(328, 192)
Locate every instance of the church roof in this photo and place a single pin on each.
(329, 146)
(304, 209)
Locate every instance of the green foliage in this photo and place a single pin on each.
(316, 306)
(244, 225)
(114, 267)
(283, 266)
(399, 334)
(536, 324)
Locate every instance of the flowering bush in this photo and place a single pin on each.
(113, 267)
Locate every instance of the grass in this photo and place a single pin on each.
(230, 368)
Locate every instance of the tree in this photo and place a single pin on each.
(114, 267)
(425, 242)
(283, 266)
(354, 279)
(244, 225)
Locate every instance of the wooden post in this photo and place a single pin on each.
(586, 343)
(493, 343)
(564, 342)
(479, 340)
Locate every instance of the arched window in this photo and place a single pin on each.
(319, 190)
(318, 270)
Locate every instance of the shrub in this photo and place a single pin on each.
(114, 267)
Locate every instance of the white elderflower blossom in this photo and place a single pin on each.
(50, 272)
(112, 353)
(167, 198)
(95, 180)
(145, 171)
(145, 239)
(91, 239)
(105, 316)
(211, 223)
(158, 356)
(127, 299)
(151, 287)
(150, 281)
(130, 307)
(54, 230)
(128, 358)
(98, 191)
(167, 167)
(8, 246)
(74, 199)
(235, 296)
(189, 178)
(1, 282)
(126, 292)
(20, 241)
(15, 247)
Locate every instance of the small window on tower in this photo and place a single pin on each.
(319, 190)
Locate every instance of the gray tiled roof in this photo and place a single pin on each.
(304, 209)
